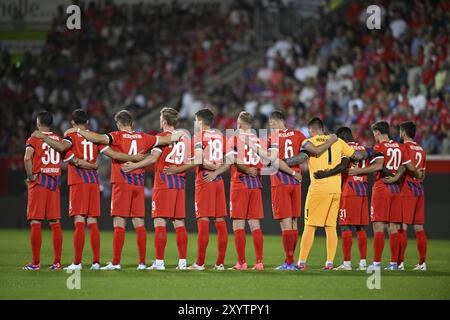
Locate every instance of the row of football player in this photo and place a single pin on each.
(168, 199)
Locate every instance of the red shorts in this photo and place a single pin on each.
(84, 200)
(169, 203)
(127, 200)
(210, 200)
(246, 204)
(354, 211)
(386, 207)
(286, 201)
(413, 209)
(43, 204)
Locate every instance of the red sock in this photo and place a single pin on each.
(141, 240)
(57, 238)
(239, 242)
(362, 243)
(403, 241)
(182, 240)
(160, 242)
(394, 242)
(287, 244)
(78, 242)
(95, 242)
(202, 240)
(421, 238)
(118, 240)
(36, 242)
(347, 242)
(222, 241)
(294, 240)
(378, 246)
(258, 244)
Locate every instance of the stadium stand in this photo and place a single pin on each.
(340, 70)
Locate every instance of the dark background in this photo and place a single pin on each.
(13, 206)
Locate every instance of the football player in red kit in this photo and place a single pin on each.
(354, 207)
(43, 168)
(127, 187)
(168, 199)
(413, 196)
(386, 208)
(210, 203)
(286, 191)
(84, 202)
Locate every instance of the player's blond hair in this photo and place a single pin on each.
(170, 115)
(246, 117)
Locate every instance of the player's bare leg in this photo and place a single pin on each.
(394, 242)
(36, 243)
(222, 242)
(119, 224)
(57, 239)
(95, 242)
(421, 239)
(289, 235)
(239, 242)
(160, 241)
(257, 235)
(182, 240)
(78, 242)
(202, 243)
(378, 245)
(141, 241)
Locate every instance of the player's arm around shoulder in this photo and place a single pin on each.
(60, 146)
(317, 150)
(92, 136)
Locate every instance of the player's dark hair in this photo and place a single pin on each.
(124, 117)
(45, 118)
(315, 123)
(79, 116)
(409, 128)
(345, 133)
(381, 126)
(206, 116)
(278, 115)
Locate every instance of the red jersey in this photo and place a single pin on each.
(212, 142)
(394, 155)
(246, 156)
(288, 143)
(85, 150)
(418, 158)
(355, 185)
(130, 143)
(46, 162)
(175, 154)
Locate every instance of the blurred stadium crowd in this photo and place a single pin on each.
(342, 71)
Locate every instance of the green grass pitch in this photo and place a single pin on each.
(209, 284)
